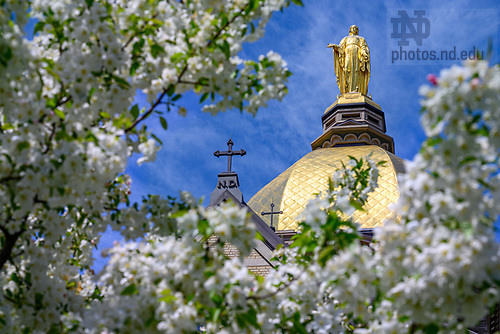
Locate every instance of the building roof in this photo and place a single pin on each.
(271, 240)
(293, 188)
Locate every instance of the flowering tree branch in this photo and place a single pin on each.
(66, 102)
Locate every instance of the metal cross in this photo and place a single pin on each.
(272, 213)
(229, 153)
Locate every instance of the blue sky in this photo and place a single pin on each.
(281, 134)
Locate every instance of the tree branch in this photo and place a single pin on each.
(10, 178)
(179, 78)
(224, 27)
(147, 113)
(153, 106)
(52, 134)
(10, 242)
(191, 83)
(141, 28)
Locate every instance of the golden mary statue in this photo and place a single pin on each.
(352, 63)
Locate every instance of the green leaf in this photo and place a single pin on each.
(170, 90)
(91, 92)
(431, 329)
(252, 5)
(38, 27)
(217, 299)
(91, 137)
(156, 49)
(163, 122)
(7, 126)
(176, 97)
(266, 63)
(97, 294)
(468, 159)
(197, 88)
(156, 138)
(8, 293)
(483, 131)
(467, 229)
(484, 184)
(325, 254)
(59, 113)
(204, 227)
(151, 321)
(133, 68)
(38, 300)
(356, 205)
(223, 19)
(135, 111)
(22, 145)
(226, 49)
(298, 2)
(177, 57)
(74, 262)
(157, 22)
(179, 213)
(121, 82)
(298, 327)
(16, 279)
(251, 318)
(27, 278)
(216, 315)
(433, 141)
(89, 3)
(204, 97)
(167, 296)
(130, 290)
(137, 48)
(5, 54)
(51, 103)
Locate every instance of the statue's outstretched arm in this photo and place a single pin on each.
(335, 47)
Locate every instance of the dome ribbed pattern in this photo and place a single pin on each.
(293, 188)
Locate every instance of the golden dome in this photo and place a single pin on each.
(293, 188)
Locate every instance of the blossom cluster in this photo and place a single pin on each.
(69, 125)
(444, 244)
(167, 283)
(182, 281)
(435, 265)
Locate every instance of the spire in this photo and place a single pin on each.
(227, 180)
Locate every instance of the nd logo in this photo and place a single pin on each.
(227, 184)
(404, 27)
